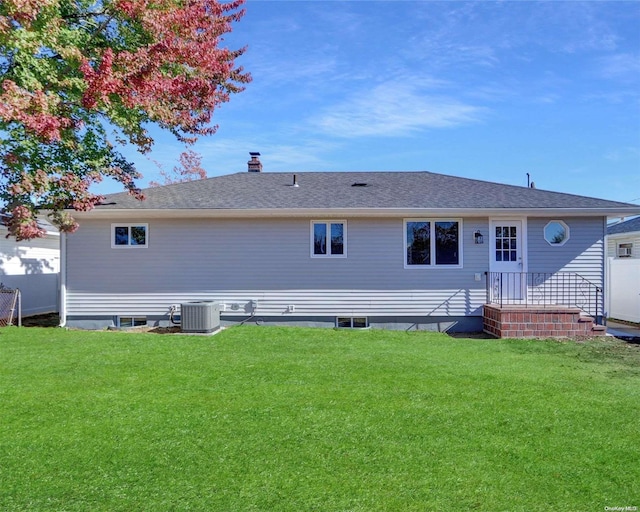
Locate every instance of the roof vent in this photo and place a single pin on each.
(360, 184)
(254, 165)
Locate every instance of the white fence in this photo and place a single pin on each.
(33, 267)
(623, 289)
(40, 292)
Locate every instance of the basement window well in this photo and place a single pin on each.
(131, 321)
(355, 322)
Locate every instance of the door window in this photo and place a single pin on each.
(506, 243)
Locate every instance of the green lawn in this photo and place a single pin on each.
(260, 418)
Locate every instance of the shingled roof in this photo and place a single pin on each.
(628, 226)
(351, 190)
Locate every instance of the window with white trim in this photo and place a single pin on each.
(348, 322)
(556, 233)
(432, 243)
(328, 239)
(625, 250)
(125, 322)
(129, 235)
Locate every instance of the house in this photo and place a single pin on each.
(623, 270)
(411, 250)
(623, 239)
(33, 267)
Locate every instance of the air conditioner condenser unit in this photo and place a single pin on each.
(200, 317)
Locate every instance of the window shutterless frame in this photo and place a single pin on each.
(131, 321)
(432, 243)
(556, 233)
(129, 235)
(328, 238)
(624, 250)
(349, 322)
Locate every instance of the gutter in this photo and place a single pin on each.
(236, 213)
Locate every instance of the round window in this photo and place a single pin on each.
(556, 232)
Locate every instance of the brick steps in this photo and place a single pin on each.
(538, 322)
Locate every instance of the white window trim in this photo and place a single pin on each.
(133, 318)
(328, 224)
(433, 265)
(129, 225)
(351, 320)
(544, 235)
(628, 249)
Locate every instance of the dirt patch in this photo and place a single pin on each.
(53, 320)
(164, 330)
(45, 320)
(471, 335)
(147, 328)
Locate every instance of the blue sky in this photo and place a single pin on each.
(484, 90)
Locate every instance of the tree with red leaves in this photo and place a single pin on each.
(190, 169)
(79, 78)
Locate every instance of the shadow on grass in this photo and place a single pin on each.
(471, 335)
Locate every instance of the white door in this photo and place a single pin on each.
(507, 260)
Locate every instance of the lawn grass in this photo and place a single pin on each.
(285, 419)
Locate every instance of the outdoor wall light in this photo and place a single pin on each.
(478, 238)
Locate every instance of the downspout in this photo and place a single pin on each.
(606, 285)
(63, 280)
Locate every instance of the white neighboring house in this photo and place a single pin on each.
(33, 267)
(623, 239)
(623, 270)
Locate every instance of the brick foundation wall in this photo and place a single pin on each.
(533, 322)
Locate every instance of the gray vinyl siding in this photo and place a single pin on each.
(583, 253)
(267, 260)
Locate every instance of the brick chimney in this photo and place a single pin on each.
(255, 165)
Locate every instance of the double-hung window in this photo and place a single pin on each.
(328, 239)
(432, 243)
(129, 235)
